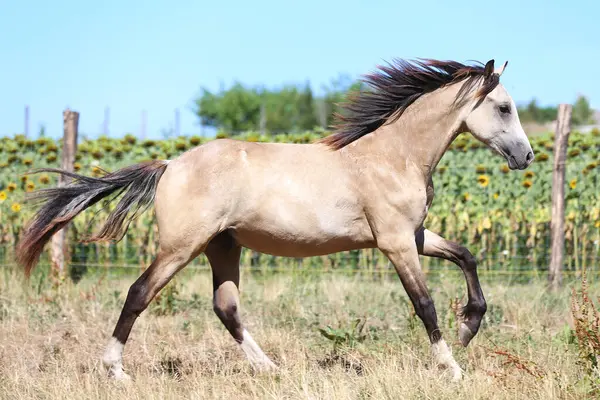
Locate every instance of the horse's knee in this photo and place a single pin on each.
(225, 306)
(225, 310)
(425, 309)
(467, 260)
(136, 301)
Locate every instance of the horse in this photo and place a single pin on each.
(368, 184)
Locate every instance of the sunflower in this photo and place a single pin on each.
(195, 140)
(542, 157)
(11, 187)
(573, 183)
(2, 196)
(483, 180)
(597, 224)
(97, 171)
(44, 179)
(529, 174)
(23, 178)
(466, 196)
(15, 207)
(496, 195)
(574, 152)
(527, 183)
(504, 168)
(76, 166)
(480, 169)
(30, 186)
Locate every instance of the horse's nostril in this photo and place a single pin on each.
(529, 156)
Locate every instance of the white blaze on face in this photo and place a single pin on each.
(254, 353)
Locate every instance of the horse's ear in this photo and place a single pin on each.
(500, 70)
(489, 68)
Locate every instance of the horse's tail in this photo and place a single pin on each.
(62, 204)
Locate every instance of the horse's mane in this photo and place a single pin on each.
(398, 85)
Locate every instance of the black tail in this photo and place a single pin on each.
(62, 204)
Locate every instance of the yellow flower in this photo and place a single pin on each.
(466, 196)
(15, 207)
(24, 178)
(504, 168)
(44, 179)
(2, 196)
(487, 223)
(483, 180)
(542, 157)
(11, 187)
(573, 183)
(480, 169)
(527, 184)
(597, 224)
(30, 186)
(496, 195)
(529, 174)
(76, 166)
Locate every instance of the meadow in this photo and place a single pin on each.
(334, 336)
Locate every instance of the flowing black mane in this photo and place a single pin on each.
(398, 85)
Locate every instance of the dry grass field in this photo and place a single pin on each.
(51, 340)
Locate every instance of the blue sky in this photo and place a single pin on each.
(155, 55)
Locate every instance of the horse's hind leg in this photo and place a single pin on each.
(223, 253)
(160, 272)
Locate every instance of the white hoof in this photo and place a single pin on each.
(257, 358)
(442, 356)
(118, 374)
(112, 360)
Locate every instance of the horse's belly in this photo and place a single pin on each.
(290, 246)
(303, 235)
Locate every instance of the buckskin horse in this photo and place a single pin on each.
(367, 185)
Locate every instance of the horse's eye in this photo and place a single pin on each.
(504, 109)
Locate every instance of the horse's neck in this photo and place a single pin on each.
(420, 136)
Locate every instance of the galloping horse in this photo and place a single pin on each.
(367, 185)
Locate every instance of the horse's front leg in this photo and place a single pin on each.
(433, 245)
(402, 252)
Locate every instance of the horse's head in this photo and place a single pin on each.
(494, 120)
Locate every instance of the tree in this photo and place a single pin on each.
(534, 113)
(235, 110)
(582, 112)
(307, 118)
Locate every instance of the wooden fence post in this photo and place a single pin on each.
(557, 224)
(26, 122)
(59, 240)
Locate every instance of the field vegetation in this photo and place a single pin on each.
(503, 215)
(335, 335)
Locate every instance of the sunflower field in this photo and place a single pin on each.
(502, 216)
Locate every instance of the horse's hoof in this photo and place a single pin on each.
(265, 366)
(117, 374)
(465, 334)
